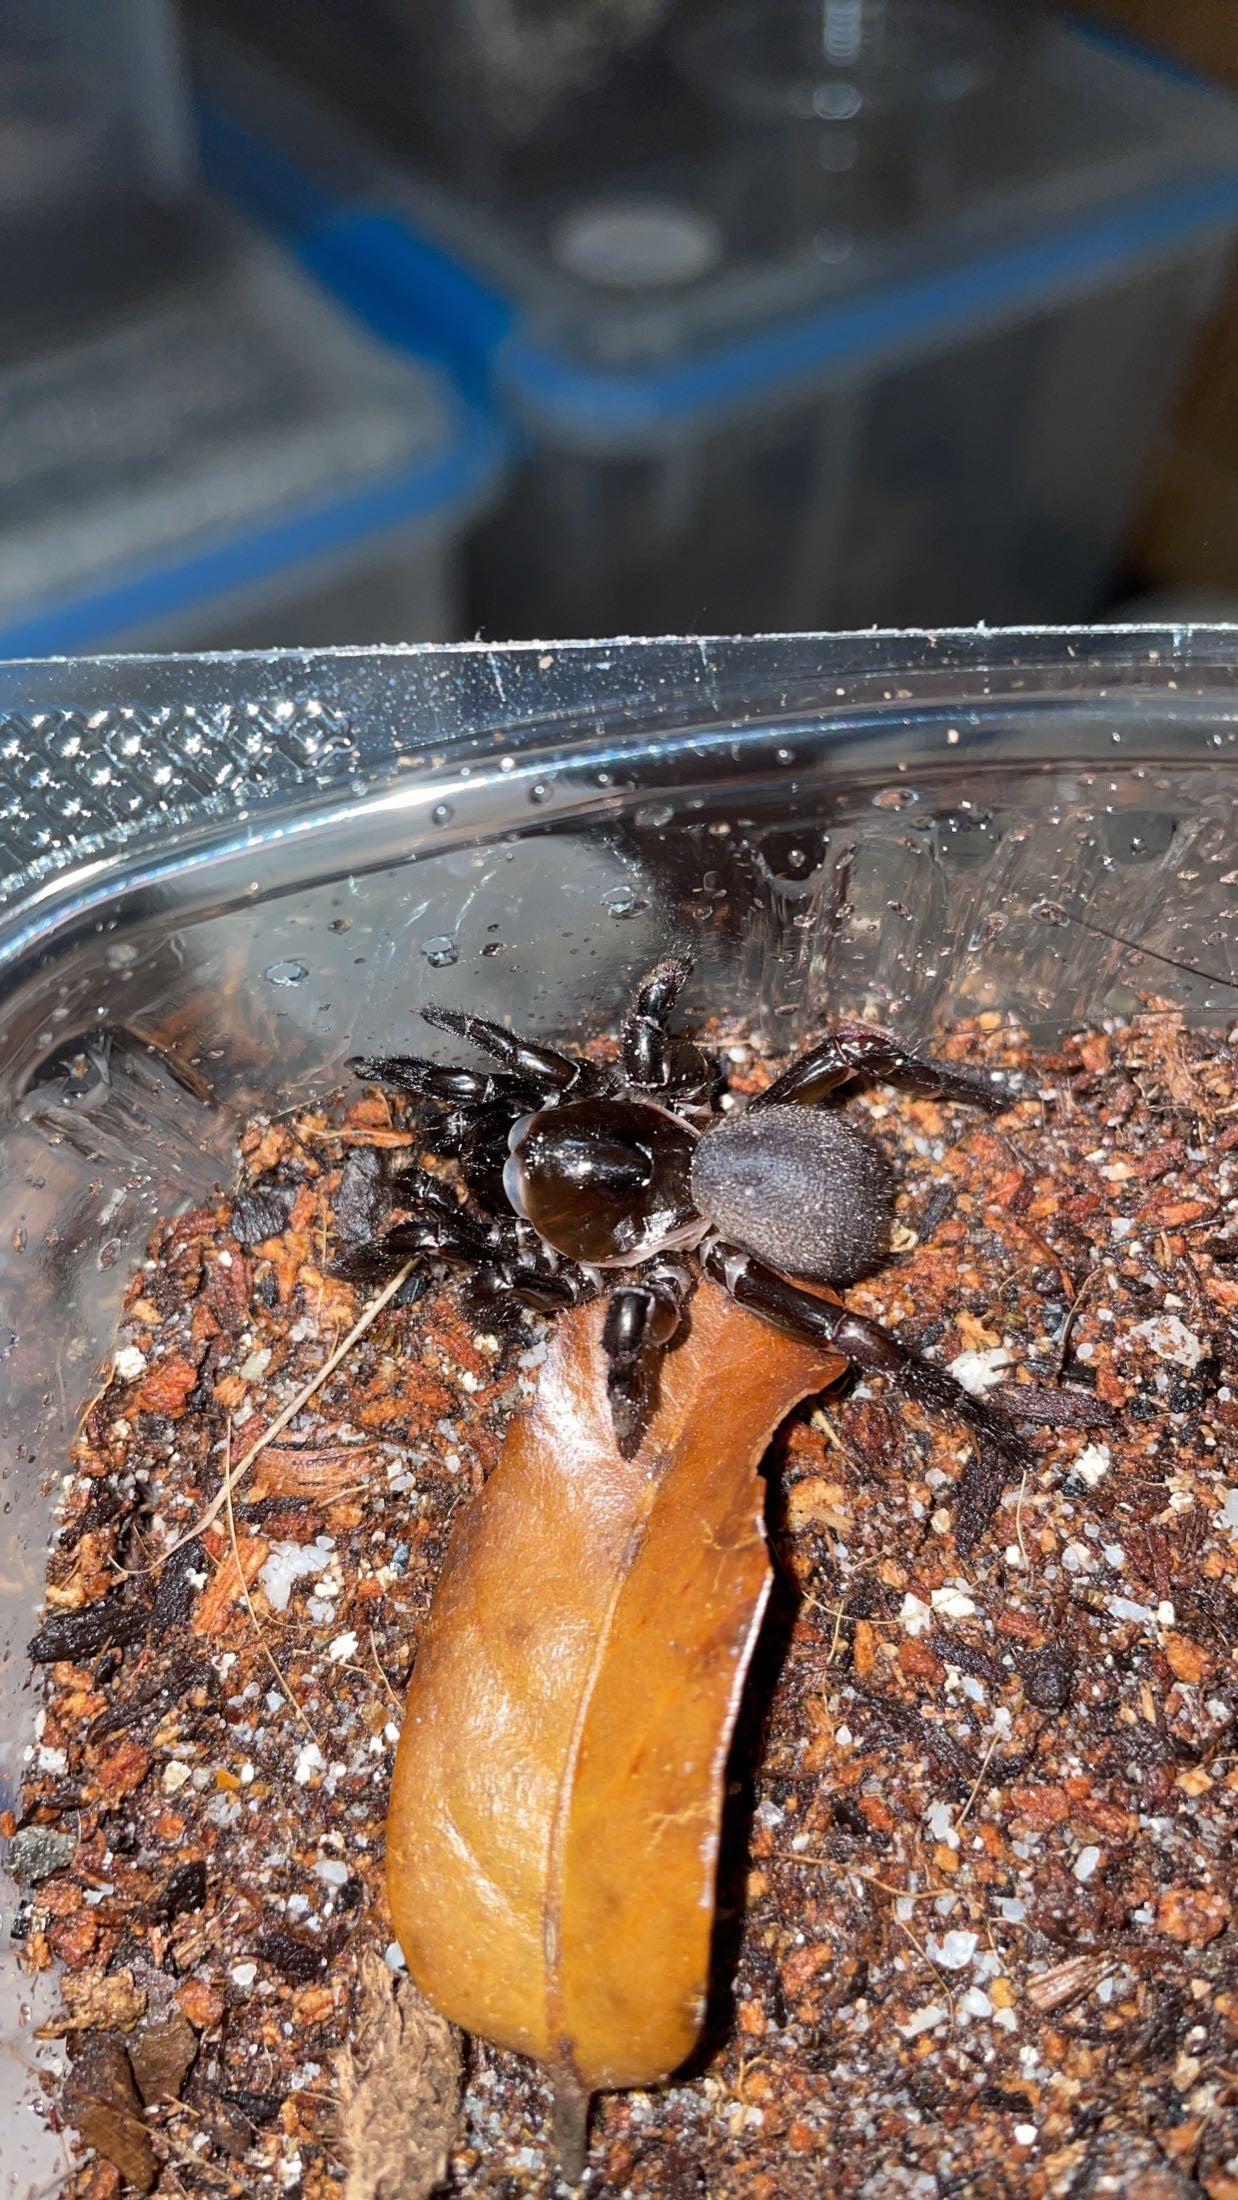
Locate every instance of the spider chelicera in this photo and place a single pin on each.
(580, 1177)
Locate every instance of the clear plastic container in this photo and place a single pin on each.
(881, 325)
(222, 876)
(842, 59)
(232, 462)
(96, 158)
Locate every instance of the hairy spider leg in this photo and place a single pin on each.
(865, 1344)
(545, 1069)
(641, 1320)
(854, 1051)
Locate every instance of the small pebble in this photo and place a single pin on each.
(954, 1950)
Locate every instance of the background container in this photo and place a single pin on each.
(850, 341)
(97, 159)
(229, 461)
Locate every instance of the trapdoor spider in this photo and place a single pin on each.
(581, 1176)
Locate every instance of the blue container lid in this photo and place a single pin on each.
(578, 362)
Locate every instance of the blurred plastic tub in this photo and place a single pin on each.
(221, 876)
(97, 159)
(231, 461)
(858, 341)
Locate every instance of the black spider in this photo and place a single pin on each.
(579, 1175)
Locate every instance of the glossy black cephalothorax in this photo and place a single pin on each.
(634, 1178)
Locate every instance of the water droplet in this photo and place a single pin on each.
(539, 792)
(493, 947)
(440, 951)
(623, 901)
(654, 814)
(442, 814)
(989, 928)
(1049, 912)
(286, 973)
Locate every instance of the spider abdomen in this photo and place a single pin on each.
(802, 1189)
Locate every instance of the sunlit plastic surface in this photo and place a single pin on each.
(221, 876)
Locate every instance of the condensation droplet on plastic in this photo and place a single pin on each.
(287, 972)
(442, 814)
(654, 814)
(623, 901)
(441, 951)
(539, 792)
(1049, 912)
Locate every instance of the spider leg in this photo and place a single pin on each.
(655, 1058)
(860, 1050)
(641, 1320)
(448, 1087)
(435, 1236)
(548, 1291)
(543, 1068)
(645, 1041)
(865, 1344)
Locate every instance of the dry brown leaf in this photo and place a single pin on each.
(399, 2088)
(555, 1812)
(100, 2101)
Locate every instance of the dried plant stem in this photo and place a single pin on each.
(1018, 1524)
(857, 1871)
(571, 2126)
(380, 1669)
(1089, 1283)
(235, 1475)
(975, 1788)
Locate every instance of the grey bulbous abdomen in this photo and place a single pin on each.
(802, 1189)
